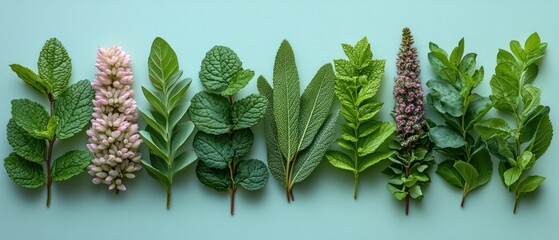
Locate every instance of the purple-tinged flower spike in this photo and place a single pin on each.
(113, 137)
(409, 109)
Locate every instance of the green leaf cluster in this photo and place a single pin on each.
(513, 92)
(357, 81)
(166, 131)
(299, 128)
(32, 127)
(469, 164)
(225, 136)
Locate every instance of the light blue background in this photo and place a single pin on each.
(324, 206)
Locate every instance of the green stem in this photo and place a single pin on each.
(516, 199)
(168, 190)
(233, 190)
(233, 186)
(49, 156)
(464, 194)
(355, 180)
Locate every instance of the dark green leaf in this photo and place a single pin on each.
(542, 138)
(483, 165)
(491, 127)
(217, 179)
(219, 68)
(479, 106)
(70, 164)
(242, 142)
(55, 66)
(468, 173)
(156, 174)
(251, 174)
(25, 145)
(248, 111)
(182, 161)
(447, 171)
(74, 107)
(210, 113)
(215, 151)
(30, 116)
(447, 97)
(25, 173)
(445, 137)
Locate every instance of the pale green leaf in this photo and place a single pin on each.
(31, 78)
(341, 160)
(162, 63)
(238, 82)
(512, 175)
(529, 184)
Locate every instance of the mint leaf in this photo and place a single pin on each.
(445, 98)
(30, 116)
(286, 97)
(242, 142)
(31, 78)
(248, 111)
(25, 173)
(210, 113)
(220, 66)
(70, 164)
(74, 107)
(251, 174)
(238, 82)
(25, 145)
(216, 151)
(55, 66)
(216, 179)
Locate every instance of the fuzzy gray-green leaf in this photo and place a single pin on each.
(276, 161)
(286, 97)
(315, 104)
(310, 158)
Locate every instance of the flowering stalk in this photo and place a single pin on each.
(113, 137)
(413, 154)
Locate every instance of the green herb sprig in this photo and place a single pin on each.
(166, 131)
(518, 148)
(469, 164)
(357, 81)
(224, 124)
(299, 128)
(33, 131)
